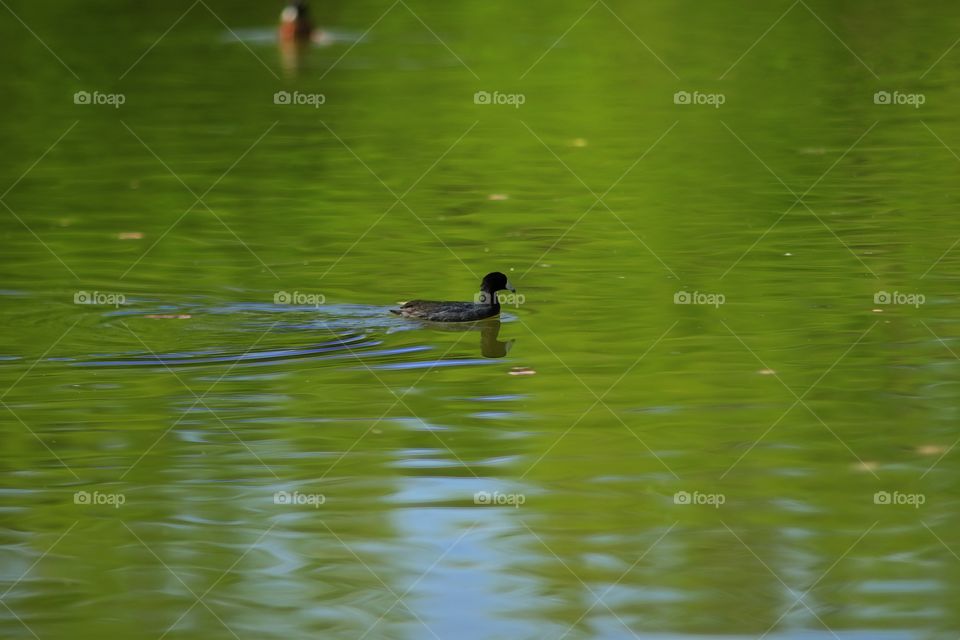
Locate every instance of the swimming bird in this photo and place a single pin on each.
(295, 24)
(485, 304)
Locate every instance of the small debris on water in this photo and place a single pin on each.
(931, 450)
(168, 316)
(578, 142)
(522, 371)
(129, 235)
(498, 196)
(767, 372)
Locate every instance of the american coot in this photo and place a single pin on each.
(486, 305)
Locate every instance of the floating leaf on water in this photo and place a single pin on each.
(498, 196)
(168, 316)
(931, 450)
(129, 235)
(522, 371)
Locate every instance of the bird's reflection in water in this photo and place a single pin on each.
(291, 56)
(490, 345)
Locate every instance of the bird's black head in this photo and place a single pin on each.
(496, 281)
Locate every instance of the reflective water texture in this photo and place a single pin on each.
(726, 407)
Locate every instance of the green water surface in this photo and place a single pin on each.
(192, 457)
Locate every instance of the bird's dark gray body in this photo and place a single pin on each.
(443, 311)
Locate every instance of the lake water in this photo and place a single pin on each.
(724, 407)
